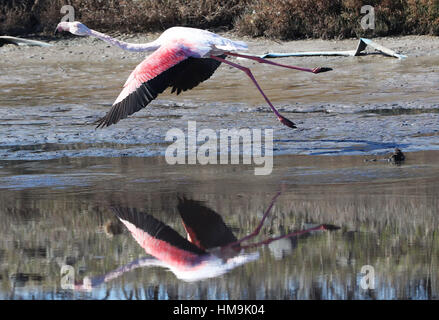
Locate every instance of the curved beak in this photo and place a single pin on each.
(56, 30)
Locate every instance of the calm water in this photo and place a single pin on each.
(53, 213)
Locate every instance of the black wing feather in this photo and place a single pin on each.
(183, 76)
(193, 72)
(207, 225)
(156, 228)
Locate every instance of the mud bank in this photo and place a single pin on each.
(367, 105)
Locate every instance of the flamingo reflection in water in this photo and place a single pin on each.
(210, 250)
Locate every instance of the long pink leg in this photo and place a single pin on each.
(261, 60)
(258, 228)
(289, 235)
(281, 118)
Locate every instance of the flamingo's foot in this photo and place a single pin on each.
(329, 227)
(321, 69)
(286, 122)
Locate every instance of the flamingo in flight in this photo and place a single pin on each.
(210, 250)
(181, 58)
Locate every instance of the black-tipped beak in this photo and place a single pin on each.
(56, 31)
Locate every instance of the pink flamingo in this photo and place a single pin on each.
(210, 250)
(181, 58)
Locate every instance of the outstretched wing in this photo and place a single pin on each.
(158, 239)
(205, 228)
(192, 72)
(170, 65)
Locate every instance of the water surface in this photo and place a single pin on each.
(50, 98)
(53, 214)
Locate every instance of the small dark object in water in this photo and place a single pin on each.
(397, 156)
(112, 227)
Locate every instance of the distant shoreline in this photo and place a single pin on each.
(281, 20)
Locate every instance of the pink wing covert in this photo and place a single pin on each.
(155, 64)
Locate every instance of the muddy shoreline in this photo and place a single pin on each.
(59, 176)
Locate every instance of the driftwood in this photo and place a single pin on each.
(362, 44)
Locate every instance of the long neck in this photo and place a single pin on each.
(149, 47)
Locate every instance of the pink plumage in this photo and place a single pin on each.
(182, 58)
(157, 63)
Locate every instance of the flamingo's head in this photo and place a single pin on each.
(76, 28)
